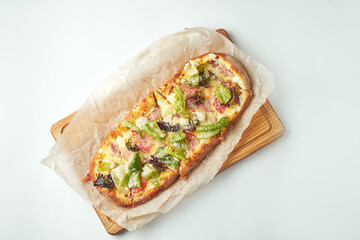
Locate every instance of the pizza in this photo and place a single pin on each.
(170, 130)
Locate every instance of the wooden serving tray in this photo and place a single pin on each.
(265, 127)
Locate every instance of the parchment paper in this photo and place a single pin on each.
(118, 94)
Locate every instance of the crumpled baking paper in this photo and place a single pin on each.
(71, 155)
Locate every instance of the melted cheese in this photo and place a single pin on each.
(166, 108)
(183, 122)
(171, 98)
(141, 121)
(170, 119)
(121, 142)
(201, 116)
(211, 117)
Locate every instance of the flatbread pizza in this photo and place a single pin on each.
(170, 130)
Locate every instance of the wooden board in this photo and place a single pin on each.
(265, 127)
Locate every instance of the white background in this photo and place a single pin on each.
(303, 186)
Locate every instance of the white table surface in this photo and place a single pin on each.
(303, 186)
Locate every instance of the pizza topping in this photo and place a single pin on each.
(218, 106)
(132, 177)
(201, 116)
(197, 99)
(131, 126)
(167, 127)
(104, 181)
(155, 181)
(228, 85)
(222, 94)
(236, 91)
(194, 80)
(188, 90)
(152, 174)
(213, 63)
(181, 144)
(194, 99)
(166, 159)
(154, 130)
(179, 100)
(118, 175)
(202, 76)
(223, 122)
(141, 121)
(204, 107)
(236, 97)
(156, 163)
(149, 172)
(192, 141)
(190, 128)
(105, 166)
(177, 136)
(191, 125)
(224, 71)
(183, 121)
(138, 189)
(134, 133)
(177, 153)
(115, 150)
(135, 164)
(208, 134)
(190, 103)
(179, 140)
(145, 143)
(154, 114)
(194, 104)
(134, 180)
(130, 147)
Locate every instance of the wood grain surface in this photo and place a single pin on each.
(265, 127)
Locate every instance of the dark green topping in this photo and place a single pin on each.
(130, 147)
(104, 181)
(167, 127)
(156, 163)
